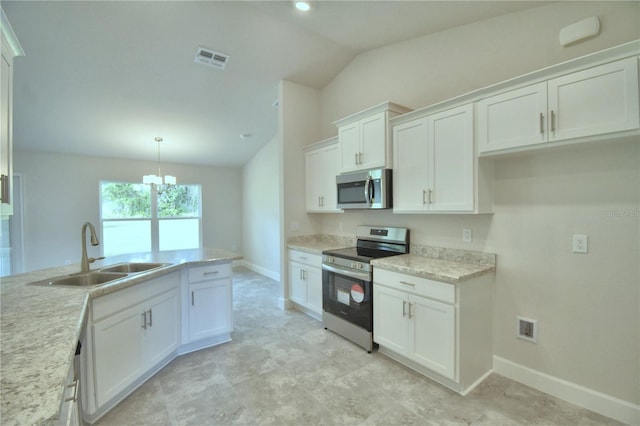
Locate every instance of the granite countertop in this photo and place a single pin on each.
(440, 264)
(40, 327)
(436, 263)
(316, 244)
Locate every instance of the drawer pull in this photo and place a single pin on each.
(210, 273)
(406, 283)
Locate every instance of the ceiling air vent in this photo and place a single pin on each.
(211, 58)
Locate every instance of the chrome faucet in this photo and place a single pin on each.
(85, 261)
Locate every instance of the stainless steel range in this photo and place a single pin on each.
(347, 281)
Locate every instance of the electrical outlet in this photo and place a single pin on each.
(580, 243)
(466, 235)
(527, 329)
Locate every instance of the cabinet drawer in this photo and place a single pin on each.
(420, 286)
(211, 272)
(306, 258)
(111, 303)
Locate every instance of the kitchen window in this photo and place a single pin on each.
(136, 218)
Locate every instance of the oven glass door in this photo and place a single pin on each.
(348, 297)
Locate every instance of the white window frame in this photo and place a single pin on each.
(154, 219)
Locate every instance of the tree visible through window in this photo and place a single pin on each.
(138, 219)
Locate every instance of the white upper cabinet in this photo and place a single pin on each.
(513, 119)
(433, 163)
(10, 47)
(365, 139)
(321, 167)
(595, 101)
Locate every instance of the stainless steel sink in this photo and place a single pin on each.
(88, 279)
(132, 267)
(101, 276)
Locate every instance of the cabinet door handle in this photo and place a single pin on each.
(193, 299)
(553, 121)
(5, 194)
(424, 196)
(144, 320)
(410, 310)
(359, 158)
(430, 196)
(541, 123)
(151, 316)
(407, 283)
(404, 308)
(74, 397)
(356, 158)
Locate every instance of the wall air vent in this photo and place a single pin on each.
(211, 58)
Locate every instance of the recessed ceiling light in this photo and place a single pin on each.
(303, 5)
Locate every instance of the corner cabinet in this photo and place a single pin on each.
(208, 318)
(10, 47)
(305, 282)
(321, 168)
(595, 101)
(439, 329)
(365, 138)
(132, 333)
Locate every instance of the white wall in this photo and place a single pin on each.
(261, 210)
(587, 306)
(424, 70)
(299, 126)
(62, 192)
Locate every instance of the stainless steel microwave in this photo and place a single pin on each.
(368, 189)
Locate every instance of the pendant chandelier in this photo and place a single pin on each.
(157, 180)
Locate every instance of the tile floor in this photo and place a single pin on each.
(283, 368)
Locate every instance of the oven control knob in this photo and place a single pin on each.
(330, 259)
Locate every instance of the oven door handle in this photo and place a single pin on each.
(364, 276)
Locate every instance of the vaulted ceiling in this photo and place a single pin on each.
(104, 78)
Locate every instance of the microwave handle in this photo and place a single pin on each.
(367, 190)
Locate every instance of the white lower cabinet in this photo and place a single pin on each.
(433, 332)
(441, 330)
(208, 303)
(132, 331)
(305, 281)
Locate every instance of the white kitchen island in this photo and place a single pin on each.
(41, 325)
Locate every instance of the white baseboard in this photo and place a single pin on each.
(590, 399)
(259, 269)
